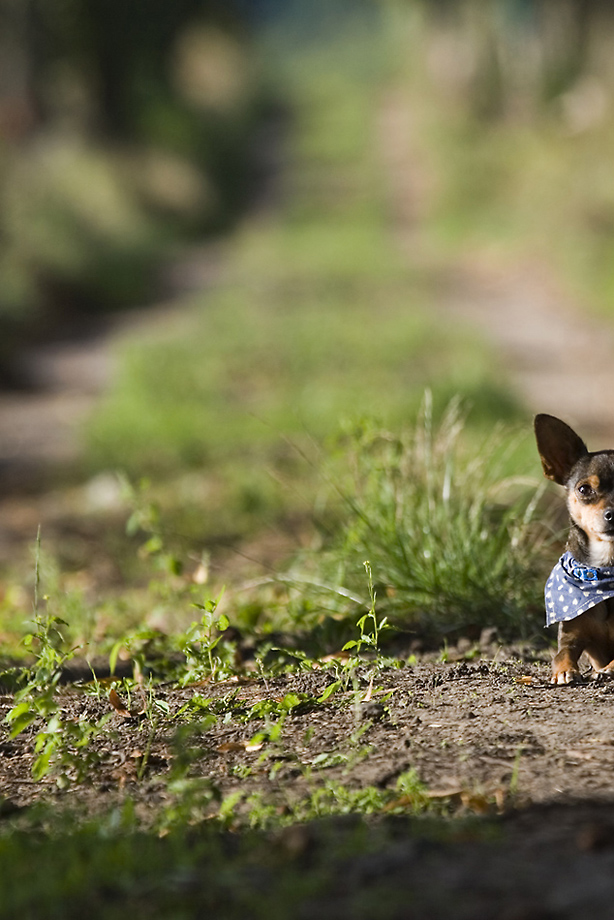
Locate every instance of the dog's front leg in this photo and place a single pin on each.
(565, 668)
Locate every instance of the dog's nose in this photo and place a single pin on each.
(608, 516)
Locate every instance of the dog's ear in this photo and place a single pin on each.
(559, 447)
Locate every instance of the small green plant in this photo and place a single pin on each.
(36, 699)
(370, 630)
(368, 625)
(203, 645)
(59, 744)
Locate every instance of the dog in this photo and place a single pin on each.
(580, 590)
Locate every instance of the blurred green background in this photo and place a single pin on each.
(293, 190)
(126, 127)
(347, 153)
(127, 130)
(123, 129)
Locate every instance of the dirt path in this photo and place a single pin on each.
(558, 358)
(39, 425)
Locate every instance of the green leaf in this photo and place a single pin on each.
(16, 711)
(290, 701)
(133, 524)
(114, 655)
(22, 722)
(153, 545)
(332, 688)
(42, 764)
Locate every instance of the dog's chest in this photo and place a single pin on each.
(601, 552)
(604, 612)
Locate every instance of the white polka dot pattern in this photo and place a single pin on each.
(573, 588)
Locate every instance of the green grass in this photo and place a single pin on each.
(457, 537)
(282, 357)
(109, 868)
(195, 848)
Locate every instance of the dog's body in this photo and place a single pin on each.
(589, 482)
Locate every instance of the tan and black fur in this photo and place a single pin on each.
(589, 482)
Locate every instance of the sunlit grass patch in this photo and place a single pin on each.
(281, 359)
(455, 541)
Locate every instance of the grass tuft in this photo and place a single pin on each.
(452, 538)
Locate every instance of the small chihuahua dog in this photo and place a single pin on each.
(580, 590)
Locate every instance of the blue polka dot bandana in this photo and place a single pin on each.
(573, 588)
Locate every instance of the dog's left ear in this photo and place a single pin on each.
(559, 447)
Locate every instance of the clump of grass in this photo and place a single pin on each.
(452, 538)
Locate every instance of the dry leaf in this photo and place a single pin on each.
(402, 802)
(231, 746)
(451, 793)
(201, 575)
(117, 703)
(369, 694)
(476, 802)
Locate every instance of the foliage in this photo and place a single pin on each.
(61, 745)
(127, 130)
(321, 319)
(118, 857)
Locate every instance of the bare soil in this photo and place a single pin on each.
(532, 765)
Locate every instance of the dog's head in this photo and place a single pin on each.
(587, 477)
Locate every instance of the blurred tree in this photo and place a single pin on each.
(18, 113)
(524, 52)
(118, 51)
(142, 113)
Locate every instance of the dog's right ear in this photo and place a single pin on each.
(559, 447)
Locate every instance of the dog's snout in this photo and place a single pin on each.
(608, 516)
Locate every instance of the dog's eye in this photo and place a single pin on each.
(585, 490)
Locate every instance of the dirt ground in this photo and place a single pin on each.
(481, 733)
(493, 741)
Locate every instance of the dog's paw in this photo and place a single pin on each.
(603, 674)
(570, 676)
